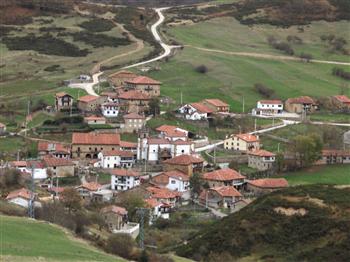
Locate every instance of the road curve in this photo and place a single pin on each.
(167, 48)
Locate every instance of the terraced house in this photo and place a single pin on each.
(145, 85)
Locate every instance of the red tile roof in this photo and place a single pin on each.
(269, 182)
(53, 161)
(184, 160)
(53, 146)
(134, 95)
(248, 137)
(334, 152)
(275, 102)
(152, 202)
(88, 98)
(123, 74)
(18, 163)
(160, 180)
(22, 193)
(124, 172)
(262, 153)
(177, 174)
(115, 209)
(216, 102)
(343, 99)
(93, 138)
(162, 193)
(118, 153)
(143, 80)
(171, 131)
(225, 174)
(201, 108)
(92, 118)
(301, 100)
(133, 116)
(158, 141)
(128, 144)
(91, 186)
(62, 94)
(227, 191)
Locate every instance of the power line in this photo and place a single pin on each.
(141, 212)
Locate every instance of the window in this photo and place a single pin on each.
(182, 151)
(173, 181)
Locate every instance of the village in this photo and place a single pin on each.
(168, 166)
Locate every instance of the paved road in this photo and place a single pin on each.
(167, 48)
(89, 87)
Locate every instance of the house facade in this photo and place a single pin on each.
(119, 78)
(301, 104)
(187, 164)
(20, 197)
(331, 156)
(341, 100)
(224, 177)
(268, 107)
(124, 179)
(220, 197)
(133, 122)
(173, 180)
(90, 103)
(242, 142)
(145, 85)
(110, 109)
(266, 185)
(63, 101)
(134, 101)
(86, 190)
(117, 158)
(59, 167)
(56, 149)
(217, 105)
(195, 111)
(95, 120)
(2, 128)
(261, 159)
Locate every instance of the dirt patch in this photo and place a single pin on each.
(181, 22)
(316, 201)
(290, 211)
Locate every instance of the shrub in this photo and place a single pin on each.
(282, 46)
(121, 245)
(294, 39)
(99, 40)
(97, 25)
(46, 44)
(264, 90)
(341, 73)
(202, 69)
(306, 57)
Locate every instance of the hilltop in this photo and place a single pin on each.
(306, 223)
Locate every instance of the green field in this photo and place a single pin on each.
(337, 175)
(28, 240)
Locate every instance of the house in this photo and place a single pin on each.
(59, 167)
(222, 196)
(128, 146)
(20, 197)
(134, 101)
(95, 120)
(37, 169)
(63, 101)
(2, 128)
(161, 149)
(195, 111)
(102, 195)
(86, 190)
(261, 159)
(145, 85)
(116, 158)
(119, 78)
(89, 103)
(224, 177)
(301, 104)
(242, 142)
(187, 164)
(124, 179)
(88, 145)
(133, 122)
(217, 105)
(332, 156)
(20, 165)
(110, 96)
(165, 196)
(110, 109)
(268, 107)
(172, 180)
(55, 149)
(157, 209)
(266, 185)
(341, 101)
(172, 133)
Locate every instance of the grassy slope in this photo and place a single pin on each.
(231, 77)
(258, 233)
(337, 175)
(31, 239)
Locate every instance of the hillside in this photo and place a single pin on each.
(309, 223)
(34, 241)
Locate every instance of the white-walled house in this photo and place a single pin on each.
(157, 209)
(173, 180)
(124, 179)
(268, 107)
(116, 158)
(110, 109)
(242, 142)
(172, 133)
(195, 111)
(36, 169)
(20, 197)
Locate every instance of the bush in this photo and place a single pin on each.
(99, 40)
(294, 39)
(202, 69)
(97, 25)
(336, 71)
(46, 44)
(264, 90)
(121, 245)
(306, 57)
(282, 46)
(53, 68)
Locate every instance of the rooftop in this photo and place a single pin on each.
(225, 174)
(269, 182)
(216, 102)
(227, 191)
(301, 100)
(133, 116)
(62, 94)
(248, 137)
(262, 153)
(115, 209)
(91, 186)
(343, 99)
(201, 108)
(139, 80)
(88, 98)
(184, 160)
(275, 102)
(124, 172)
(94, 138)
(22, 193)
(53, 161)
(134, 95)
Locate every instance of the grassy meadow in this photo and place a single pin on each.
(38, 241)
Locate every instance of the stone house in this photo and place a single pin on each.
(119, 78)
(217, 105)
(165, 196)
(88, 145)
(195, 111)
(90, 103)
(133, 122)
(115, 217)
(59, 167)
(187, 164)
(86, 190)
(145, 85)
(341, 101)
(56, 149)
(95, 120)
(134, 101)
(261, 159)
(301, 104)
(220, 197)
(224, 177)
(333, 156)
(63, 101)
(242, 142)
(266, 185)
(172, 180)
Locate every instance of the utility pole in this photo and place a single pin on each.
(255, 124)
(215, 155)
(181, 98)
(26, 125)
(243, 104)
(141, 212)
(32, 196)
